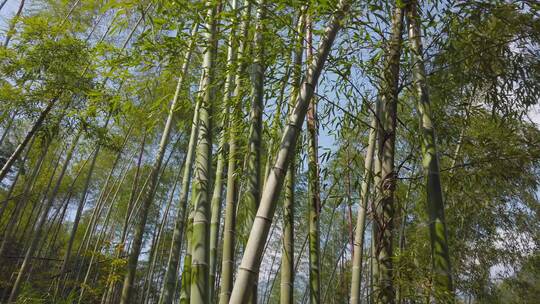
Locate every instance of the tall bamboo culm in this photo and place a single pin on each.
(200, 247)
(440, 256)
(383, 215)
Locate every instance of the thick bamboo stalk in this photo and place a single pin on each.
(384, 209)
(203, 165)
(253, 161)
(223, 146)
(313, 187)
(287, 255)
(440, 255)
(185, 292)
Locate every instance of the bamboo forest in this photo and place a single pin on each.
(256, 151)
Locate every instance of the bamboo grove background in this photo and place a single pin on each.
(252, 151)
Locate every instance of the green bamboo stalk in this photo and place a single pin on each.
(384, 209)
(169, 282)
(231, 200)
(254, 167)
(356, 280)
(313, 187)
(218, 183)
(287, 256)
(185, 292)
(440, 255)
(167, 292)
(215, 211)
(203, 164)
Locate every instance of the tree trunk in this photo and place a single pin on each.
(261, 226)
(226, 126)
(185, 292)
(218, 184)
